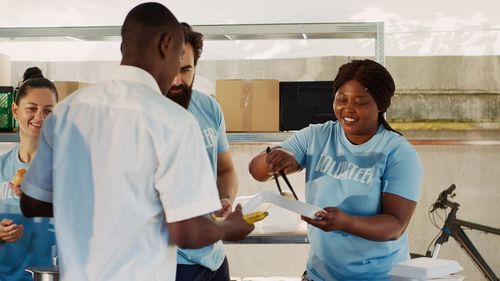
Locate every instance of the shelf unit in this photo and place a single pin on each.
(299, 31)
(232, 137)
(278, 137)
(9, 137)
(280, 238)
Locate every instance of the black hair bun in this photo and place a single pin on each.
(32, 72)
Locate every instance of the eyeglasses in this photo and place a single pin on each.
(283, 175)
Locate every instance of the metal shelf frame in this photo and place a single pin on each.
(233, 138)
(9, 137)
(304, 31)
(279, 238)
(299, 31)
(278, 137)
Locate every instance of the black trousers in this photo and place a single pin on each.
(195, 272)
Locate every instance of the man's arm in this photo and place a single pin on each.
(32, 207)
(201, 231)
(227, 180)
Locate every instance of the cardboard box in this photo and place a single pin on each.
(249, 105)
(65, 88)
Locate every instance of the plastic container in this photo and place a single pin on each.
(6, 118)
(426, 269)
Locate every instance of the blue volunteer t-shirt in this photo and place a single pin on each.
(209, 116)
(34, 248)
(353, 178)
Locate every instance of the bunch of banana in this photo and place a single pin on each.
(250, 218)
(216, 218)
(254, 217)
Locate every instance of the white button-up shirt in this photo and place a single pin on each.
(117, 160)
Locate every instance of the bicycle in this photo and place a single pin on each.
(454, 227)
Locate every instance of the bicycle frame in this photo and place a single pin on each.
(454, 227)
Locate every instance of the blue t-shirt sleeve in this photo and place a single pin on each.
(222, 143)
(38, 180)
(298, 145)
(403, 174)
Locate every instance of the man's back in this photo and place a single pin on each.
(123, 170)
(122, 156)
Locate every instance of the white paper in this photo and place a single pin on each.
(295, 206)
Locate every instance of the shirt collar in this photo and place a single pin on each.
(19, 163)
(137, 75)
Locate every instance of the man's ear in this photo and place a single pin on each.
(164, 43)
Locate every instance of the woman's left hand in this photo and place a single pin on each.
(10, 231)
(332, 219)
(16, 189)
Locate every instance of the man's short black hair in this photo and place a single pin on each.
(145, 21)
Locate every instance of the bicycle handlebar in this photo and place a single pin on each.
(449, 190)
(442, 201)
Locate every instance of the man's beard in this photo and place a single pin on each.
(183, 98)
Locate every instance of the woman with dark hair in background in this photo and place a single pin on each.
(363, 173)
(25, 242)
(32, 72)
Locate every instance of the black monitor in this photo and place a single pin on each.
(305, 102)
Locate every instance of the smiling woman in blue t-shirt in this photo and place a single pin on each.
(363, 173)
(24, 242)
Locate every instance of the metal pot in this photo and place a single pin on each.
(47, 273)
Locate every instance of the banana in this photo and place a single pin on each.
(18, 178)
(250, 218)
(216, 218)
(254, 217)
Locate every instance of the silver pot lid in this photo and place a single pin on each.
(43, 269)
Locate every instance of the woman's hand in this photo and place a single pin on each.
(263, 166)
(280, 159)
(330, 220)
(9, 231)
(16, 188)
(389, 224)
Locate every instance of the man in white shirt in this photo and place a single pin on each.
(124, 171)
